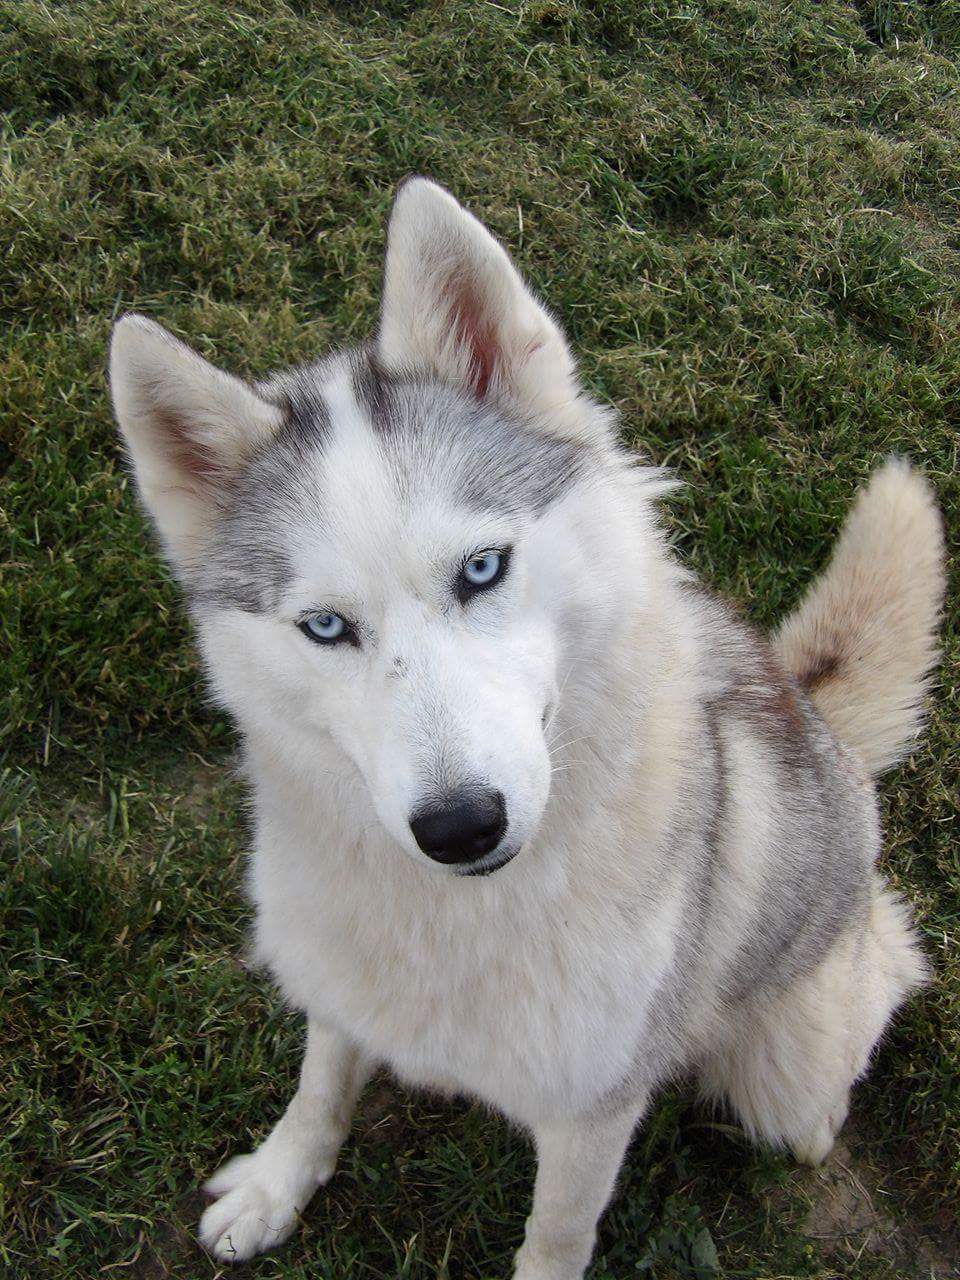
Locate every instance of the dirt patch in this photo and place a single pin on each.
(853, 1209)
(171, 1246)
(197, 785)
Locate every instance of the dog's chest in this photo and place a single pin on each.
(531, 1002)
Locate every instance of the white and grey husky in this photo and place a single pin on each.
(538, 820)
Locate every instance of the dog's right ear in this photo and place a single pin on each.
(189, 427)
(455, 306)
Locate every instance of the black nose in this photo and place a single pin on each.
(461, 827)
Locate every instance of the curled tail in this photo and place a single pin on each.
(863, 640)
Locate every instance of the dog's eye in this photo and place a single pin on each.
(326, 628)
(482, 571)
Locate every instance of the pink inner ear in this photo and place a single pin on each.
(189, 453)
(474, 332)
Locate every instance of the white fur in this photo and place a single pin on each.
(540, 989)
(874, 613)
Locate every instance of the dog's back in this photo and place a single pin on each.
(828, 953)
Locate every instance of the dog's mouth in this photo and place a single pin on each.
(499, 858)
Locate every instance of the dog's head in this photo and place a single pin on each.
(404, 548)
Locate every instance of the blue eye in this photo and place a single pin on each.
(482, 571)
(325, 628)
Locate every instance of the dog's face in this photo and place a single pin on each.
(396, 548)
(407, 604)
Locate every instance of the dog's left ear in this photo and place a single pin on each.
(455, 305)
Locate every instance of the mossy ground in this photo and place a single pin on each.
(747, 214)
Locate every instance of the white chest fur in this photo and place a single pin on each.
(529, 989)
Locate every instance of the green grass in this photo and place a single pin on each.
(747, 214)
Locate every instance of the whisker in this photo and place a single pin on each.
(569, 764)
(564, 746)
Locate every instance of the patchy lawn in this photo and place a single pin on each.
(747, 214)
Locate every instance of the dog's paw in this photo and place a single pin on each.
(255, 1209)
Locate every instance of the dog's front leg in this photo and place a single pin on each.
(261, 1196)
(577, 1163)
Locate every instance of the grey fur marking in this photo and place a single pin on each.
(824, 824)
(471, 453)
(491, 459)
(246, 566)
(826, 831)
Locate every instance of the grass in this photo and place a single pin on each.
(746, 213)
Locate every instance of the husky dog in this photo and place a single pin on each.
(537, 819)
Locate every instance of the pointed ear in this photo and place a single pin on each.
(455, 305)
(189, 428)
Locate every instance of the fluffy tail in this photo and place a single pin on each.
(863, 640)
